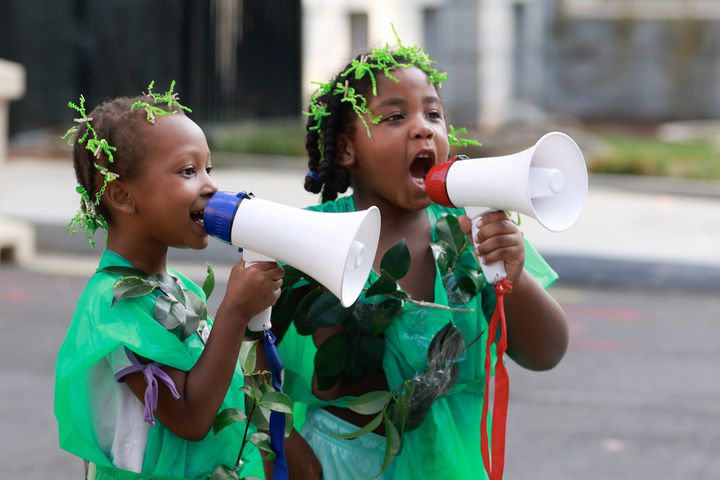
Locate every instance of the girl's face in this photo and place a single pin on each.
(411, 137)
(173, 186)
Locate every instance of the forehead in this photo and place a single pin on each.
(412, 81)
(172, 137)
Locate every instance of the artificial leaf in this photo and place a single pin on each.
(441, 250)
(260, 417)
(332, 355)
(457, 295)
(209, 283)
(262, 442)
(124, 271)
(445, 347)
(383, 315)
(396, 261)
(361, 318)
(366, 355)
(392, 443)
(382, 286)
(169, 286)
(130, 287)
(196, 304)
(248, 356)
(327, 311)
(166, 310)
(301, 320)
(372, 425)
(292, 276)
(223, 472)
(371, 402)
(448, 229)
(228, 417)
(277, 402)
(284, 309)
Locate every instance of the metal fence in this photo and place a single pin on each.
(231, 59)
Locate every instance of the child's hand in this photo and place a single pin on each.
(252, 289)
(498, 239)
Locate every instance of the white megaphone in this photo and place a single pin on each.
(336, 249)
(548, 182)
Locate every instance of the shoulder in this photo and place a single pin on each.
(340, 205)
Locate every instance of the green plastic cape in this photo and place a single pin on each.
(96, 330)
(447, 443)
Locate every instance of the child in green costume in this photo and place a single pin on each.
(378, 127)
(144, 370)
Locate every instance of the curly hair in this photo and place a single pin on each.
(325, 175)
(123, 127)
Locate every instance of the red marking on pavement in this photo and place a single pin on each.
(605, 313)
(16, 295)
(576, 328)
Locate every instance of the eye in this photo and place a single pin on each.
(208, 170)
(394, 117)
(436, 114)
(188, 171)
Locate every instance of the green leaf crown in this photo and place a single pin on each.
(380, 60)
(88, 219)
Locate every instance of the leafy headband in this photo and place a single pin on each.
(379, 60)
(87, 219)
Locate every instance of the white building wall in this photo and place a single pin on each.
(476, 47)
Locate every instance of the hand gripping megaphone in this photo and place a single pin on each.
(547, 181)
(336, 249)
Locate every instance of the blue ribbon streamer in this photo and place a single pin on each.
(277, 419)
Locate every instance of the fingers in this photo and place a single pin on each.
(498, 238)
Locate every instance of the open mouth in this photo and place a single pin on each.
(420, 166)
(198, 217)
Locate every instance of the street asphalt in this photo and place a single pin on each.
(636, 396)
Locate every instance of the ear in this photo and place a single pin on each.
(119, 198)
(345, 152)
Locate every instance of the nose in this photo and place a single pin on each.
(209, 187)
(421, 128)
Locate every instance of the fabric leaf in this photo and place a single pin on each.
(371, 402)
(228, 417)
(396, 261)
(130, 287)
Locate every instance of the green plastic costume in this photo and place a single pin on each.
(98, 329)
(447, 443)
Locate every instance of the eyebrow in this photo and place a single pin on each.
(397, 101)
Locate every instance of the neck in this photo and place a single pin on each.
(151, 259)
(396, 222)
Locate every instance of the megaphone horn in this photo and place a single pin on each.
(547, 181)
(335, 249)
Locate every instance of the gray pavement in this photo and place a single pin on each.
(634, 231)
(634, 397)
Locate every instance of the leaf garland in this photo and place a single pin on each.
(181, 312)
(360, 347)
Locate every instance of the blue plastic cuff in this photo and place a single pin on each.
(220, 213)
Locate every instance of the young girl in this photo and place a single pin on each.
(378, 127)
(144, 371)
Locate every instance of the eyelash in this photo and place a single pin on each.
(434, 114)
(190, 171)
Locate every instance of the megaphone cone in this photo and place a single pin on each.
(335, 249)
(547, 181)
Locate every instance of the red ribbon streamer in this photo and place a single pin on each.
(502, 389)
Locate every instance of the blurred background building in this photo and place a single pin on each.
(508, 60)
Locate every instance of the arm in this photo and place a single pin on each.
(536, 325)
(203, 388)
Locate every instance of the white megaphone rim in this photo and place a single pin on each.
(355, 274)
(557, 150)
